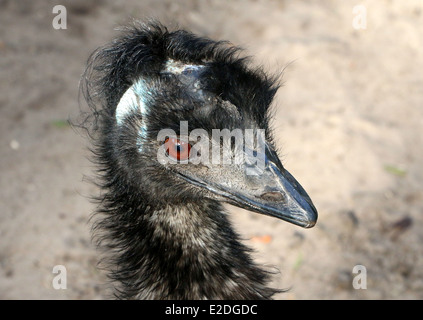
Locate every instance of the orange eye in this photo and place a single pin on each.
(177, 149)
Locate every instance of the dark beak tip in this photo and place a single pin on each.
(310, 224)
(311, 218)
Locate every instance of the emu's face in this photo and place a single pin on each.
(182, 128)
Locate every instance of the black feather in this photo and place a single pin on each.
(164, 238)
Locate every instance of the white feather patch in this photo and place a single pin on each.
(132, 101)
(177, 67)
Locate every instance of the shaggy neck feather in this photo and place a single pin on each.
(185, 252)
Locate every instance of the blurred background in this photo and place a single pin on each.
(349, 123)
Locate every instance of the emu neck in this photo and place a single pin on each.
(187, 252)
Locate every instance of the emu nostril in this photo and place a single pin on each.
(272, 196)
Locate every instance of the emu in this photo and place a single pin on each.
(162, 224)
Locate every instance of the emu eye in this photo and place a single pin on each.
(177, 149)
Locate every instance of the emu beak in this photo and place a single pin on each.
(277, 194)
(270, 190)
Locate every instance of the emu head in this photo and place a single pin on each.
(186, 119)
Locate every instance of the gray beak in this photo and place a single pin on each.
(267, 189)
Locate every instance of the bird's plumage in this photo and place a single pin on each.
(163, 229)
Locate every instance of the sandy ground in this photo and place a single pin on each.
(349, 123)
